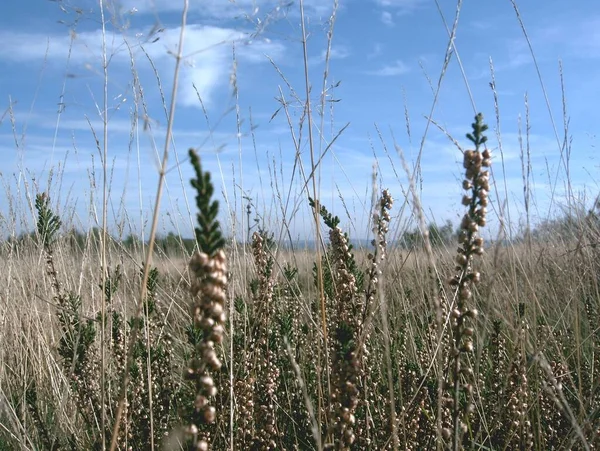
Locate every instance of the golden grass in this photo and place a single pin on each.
(333, 348)
(535, 359)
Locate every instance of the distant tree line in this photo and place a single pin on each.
(566, 227)
(78, 241)
(439, 235)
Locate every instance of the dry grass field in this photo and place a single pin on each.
(393, 347)
(455, 343)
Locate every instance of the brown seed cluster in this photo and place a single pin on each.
(518, 427)
(257, 384)
(476, 183)
(381, 221)
(345, 361)
(264, 357)
(209, 292)
(264, 263)
(497, 353)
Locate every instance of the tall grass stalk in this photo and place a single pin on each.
(152, 237)
(316, 197)
(103, 243)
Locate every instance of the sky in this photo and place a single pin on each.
(382, 70)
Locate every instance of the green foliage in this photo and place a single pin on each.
(438, 236)
(344, 336)
(208, 232)
(78, 348)
(77, 336)
(132, 242)
(117, 334)
(254, 287)
(566, 227)
(194, 335)
(328, 282)
(152, 352)
(477, 137)
(48, 223)
(151, 287)
(111, 283)
(286, 324)
(31, 399)
(328, 286)
(174, 245)
(441, 235)
(330, 221)
(76, 241)
(268, 238)
(290, 275)
(289, 272)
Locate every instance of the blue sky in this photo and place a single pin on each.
(385, 64)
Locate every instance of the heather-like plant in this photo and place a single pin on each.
(462, 313)
(78, 352)
(345, 361)
(263, 345)
(209, 272)
(77, 335)
(152, 354)
(343, 284)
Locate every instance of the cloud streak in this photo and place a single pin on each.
(391, 70)
(224, 9)
(207, 65)
(337, 52)
(387, 19)
(400, 6)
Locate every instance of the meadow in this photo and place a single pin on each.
(422, 337)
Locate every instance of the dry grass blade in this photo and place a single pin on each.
(151, 241)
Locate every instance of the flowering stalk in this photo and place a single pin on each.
(476, 184)
(345, 360)
(208, 289)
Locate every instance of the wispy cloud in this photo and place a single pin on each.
(401, 6)
(482, 25)
(581, 40)
(377, 50)
(337, 52)
(553, 40)
(391, 70)
(387, 19)
(224, 9)
(208, 51)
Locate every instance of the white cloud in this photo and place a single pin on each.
(229, 9)
(552, 41)
(402, 6)
(585, 43)
(482, 25)
(397, 3)
(387, 19)
(214, 8)
(208, 51)
(337, 52)
(377, 51)
(390, 70)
